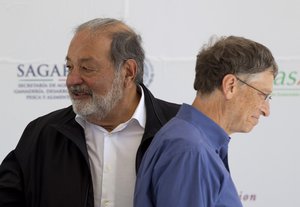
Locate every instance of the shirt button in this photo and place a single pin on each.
(107, 168)
(105, 203)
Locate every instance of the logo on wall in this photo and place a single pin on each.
(247, 197)
(48, 81)
(148, 73)
(287, 83)
(42, 81)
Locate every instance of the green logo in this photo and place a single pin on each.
(287, 83)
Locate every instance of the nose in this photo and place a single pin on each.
(265, 108)
(74, 77)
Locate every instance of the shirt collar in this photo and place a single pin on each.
(140, 111)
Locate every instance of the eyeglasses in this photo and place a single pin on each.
(267, 96)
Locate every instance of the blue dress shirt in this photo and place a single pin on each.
(186, 165)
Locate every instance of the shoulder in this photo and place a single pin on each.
(161, 107)
(181, 141)
(46, 134)
(166, 106)
(181, 130)
(55, 117)
(60, 114)
(176, 138)
(44, 125)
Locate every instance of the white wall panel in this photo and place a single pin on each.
(36, 33)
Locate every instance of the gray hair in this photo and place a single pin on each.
(230, 55)
(126, 43)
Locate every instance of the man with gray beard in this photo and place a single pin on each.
(88, 154)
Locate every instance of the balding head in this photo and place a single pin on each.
(126, 44)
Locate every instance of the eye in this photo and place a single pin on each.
(268, 97)
(69, 68)
(86, 69)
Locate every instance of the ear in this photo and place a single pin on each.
(229, 85)
(130, 70)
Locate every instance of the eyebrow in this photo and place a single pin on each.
(81, 60)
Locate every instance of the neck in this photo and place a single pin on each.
(213, 107)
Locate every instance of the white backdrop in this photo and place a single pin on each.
(35, 35)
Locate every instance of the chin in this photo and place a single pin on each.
(246, 129)
(83, 109)
(249, 129)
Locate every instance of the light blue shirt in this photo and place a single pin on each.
(185, 166)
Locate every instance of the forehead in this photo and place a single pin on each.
(87, 44)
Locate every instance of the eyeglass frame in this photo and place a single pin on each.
(268, 97)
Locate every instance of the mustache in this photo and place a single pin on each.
(80, 89)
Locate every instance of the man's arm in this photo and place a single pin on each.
(11, 184)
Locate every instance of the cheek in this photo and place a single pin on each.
(69, 81)
(245, 106)
(101, 86)
(250, 100)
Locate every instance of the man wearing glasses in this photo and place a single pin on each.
(186, 164)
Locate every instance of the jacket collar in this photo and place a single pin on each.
(154, 118)
(72, 130)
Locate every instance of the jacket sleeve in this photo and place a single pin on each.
(11, 184)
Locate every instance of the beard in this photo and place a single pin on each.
(98, 106)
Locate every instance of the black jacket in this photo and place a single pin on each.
(50, 165)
